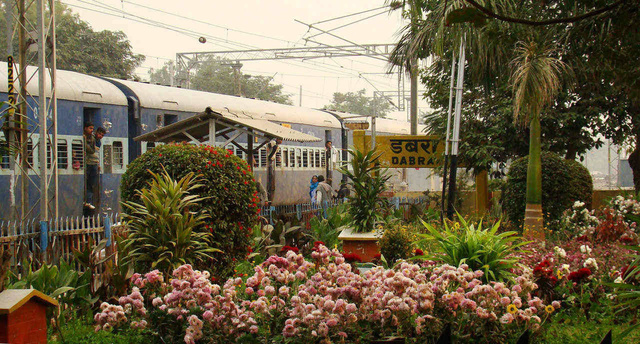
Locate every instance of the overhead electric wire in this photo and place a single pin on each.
(349, 15)
(194, 34)
(207, 23)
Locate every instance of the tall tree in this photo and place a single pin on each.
(217, 76)
(359, 103)
(81, 49)
(536, 81)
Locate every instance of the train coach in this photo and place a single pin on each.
(128, 109)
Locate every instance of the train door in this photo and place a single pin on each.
(91, 202)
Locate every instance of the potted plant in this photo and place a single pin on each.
(367, 179)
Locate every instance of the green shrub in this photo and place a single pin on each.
(481, 249)
(396, 243)
(161, 227)
(563, 183)
(228, 186)
(368, 180)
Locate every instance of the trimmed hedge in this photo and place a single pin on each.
(563, 183)
(228, 185)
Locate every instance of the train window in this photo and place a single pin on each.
(159, 121)
(323, 158)
(292, 157)
(118, 155)
(151, 145)
(318, 159)
(285, 156)
(63, 154)
(305, 158)
(5, 158)
(298, 157)
(263, 157)
(49, 154)
(30, 153)
(170, 119)
(77, 154)
(256, 158)
(239, 153)
(279, 158)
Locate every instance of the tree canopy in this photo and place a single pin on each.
(601, 49)
(217, 76)
(358, 103)
(81, 49)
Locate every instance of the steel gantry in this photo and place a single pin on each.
(36, 43)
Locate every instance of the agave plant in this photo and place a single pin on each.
(368, 181)
(162, 229)
(481, 249)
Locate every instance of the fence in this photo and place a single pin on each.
(57, 239)
(305, 211)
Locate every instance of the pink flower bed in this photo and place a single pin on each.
(290, 299)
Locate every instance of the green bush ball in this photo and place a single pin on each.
(228, 185)
(563, 183)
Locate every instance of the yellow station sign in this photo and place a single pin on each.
(407, 151)
(404, 151)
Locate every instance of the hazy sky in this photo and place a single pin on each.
(251, 24)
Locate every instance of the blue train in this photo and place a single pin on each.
(128, 109)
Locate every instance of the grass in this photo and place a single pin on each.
(581, 331)
(81, 331)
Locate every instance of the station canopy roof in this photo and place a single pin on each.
(197, 127)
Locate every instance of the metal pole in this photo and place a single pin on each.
(456, 132)
(54, 108)
(42, 113)
(300, 101)
(24, 137)
(446, 147)
(414, 97)
(373, 132)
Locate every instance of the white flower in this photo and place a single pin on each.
(578, 204)
(619, 280)
(591, 264)
(566, 267)
(585, 249)
(560, 252)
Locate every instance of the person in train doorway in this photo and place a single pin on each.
(91, 166)
(274, 158)
(100, 133)
(324, 194)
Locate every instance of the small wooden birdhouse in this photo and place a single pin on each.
(23, 316)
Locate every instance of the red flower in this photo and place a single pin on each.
(579, 275)
(160, 154)
(419, 252)
(377, 256)
(286, 249)
(352, 257)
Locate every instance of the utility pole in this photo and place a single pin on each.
(414, 97)
(447, 141)
(456, 132)
(300, 102)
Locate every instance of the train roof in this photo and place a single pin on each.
(180, 99)
(70, 86)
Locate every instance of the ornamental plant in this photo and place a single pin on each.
(289, 300)
(396, 243)
(368, 181)
(481, 249)
(161, 228)
(228, 191)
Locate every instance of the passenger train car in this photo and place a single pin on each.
(128, 109)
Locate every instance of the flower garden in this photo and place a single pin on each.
(187, 271)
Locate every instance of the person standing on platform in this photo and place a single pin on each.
(313, 185)
(324, 194)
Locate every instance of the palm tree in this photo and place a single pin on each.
(536, 82)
